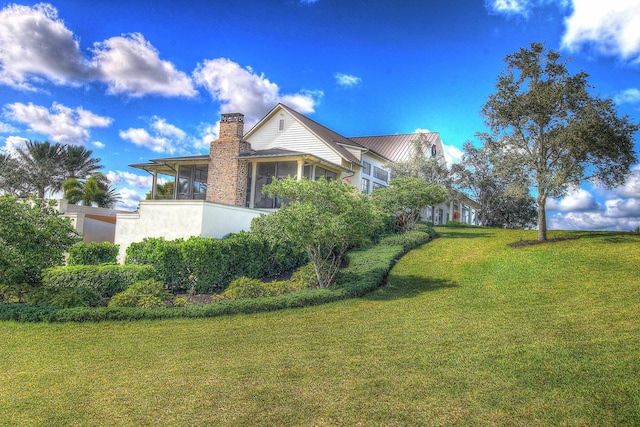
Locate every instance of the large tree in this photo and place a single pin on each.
(499, 187)
(43, 166)
(94, 191)
(562, 134)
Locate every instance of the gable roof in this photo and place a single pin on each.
(332, 139)
(396, 148)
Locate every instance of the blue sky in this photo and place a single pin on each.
(139, 80)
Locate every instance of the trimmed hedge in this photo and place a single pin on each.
(367, 270)
(93, 253)
(107, 279)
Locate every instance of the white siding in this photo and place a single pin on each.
(294, 137)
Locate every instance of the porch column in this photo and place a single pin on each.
(154, 183)
(300, 168)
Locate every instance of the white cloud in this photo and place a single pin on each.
(576, 200)
(12, 143)
(628, 96)
(161, 126)
(7, 128)
(60, 123)
(138, 181)
(142, 138)
(130, 199)
(346, 80)
(164, 137)
(34, 42)
(622, 208)
(508, 7)
(611, 28)
(132, 66)
(241, 90)
(631, 187)
(98, 144)
(452, 154)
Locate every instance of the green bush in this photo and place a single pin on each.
(165, 256)
(106, 279)
(304, 277)
(145, 293)
(245, 287)
(93, 253)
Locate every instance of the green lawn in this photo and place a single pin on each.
(468, 331)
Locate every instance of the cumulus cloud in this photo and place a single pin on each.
(35, 45)
(611, 28)
(577, 200)
(59, 123)
(98, 144)
(129, 199)
(131, 65)
(35, 42)
(628, 96)
(118, 178)
(7, 128)
(12, 143)
(241, 90)
(452, 154)
(166, 138)
(631, 187)
(346, 80)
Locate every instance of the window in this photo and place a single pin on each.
(281, 125)
(322, 172)
(265, 172)
(380, 174)
(192, 182)
(366, 168)
(364, 185)
(377, 185)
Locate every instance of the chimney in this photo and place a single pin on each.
(227, 180)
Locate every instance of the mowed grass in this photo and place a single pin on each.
(468, 331)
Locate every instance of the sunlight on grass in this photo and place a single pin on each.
(468, 331)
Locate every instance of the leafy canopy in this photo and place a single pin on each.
(324, 217)
(405, 197)
(546, 121)
(32, 237)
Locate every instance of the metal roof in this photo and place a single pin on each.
(396, 148)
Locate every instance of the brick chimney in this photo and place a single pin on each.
(227, 180)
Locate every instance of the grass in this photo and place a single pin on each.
(468, 331)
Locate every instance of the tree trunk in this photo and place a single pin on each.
(542, 218)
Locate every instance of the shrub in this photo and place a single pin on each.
(245, 287)
(304, 277)
(408, 240)
(145, 293)
(165, 256)
(93, 253)
(106, 279)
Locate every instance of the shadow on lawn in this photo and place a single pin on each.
(408, 287)
(462, 235)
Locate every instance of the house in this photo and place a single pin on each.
(221, 192)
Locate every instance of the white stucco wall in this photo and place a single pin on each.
(174, 219)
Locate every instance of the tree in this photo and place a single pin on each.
(562, 134)
(96, 190)
(497, 186)
(78, 163)
(420, 165)
(42, 164)
(405, 197)
(324, 217)
(12, 176)
(32, 237)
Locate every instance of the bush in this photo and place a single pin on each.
(106, 279)
(245, 287)
(93, 253)
(145, 293)
(165, 256)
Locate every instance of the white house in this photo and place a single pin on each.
(221, 192)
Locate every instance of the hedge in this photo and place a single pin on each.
(93, 253)
(107, 279)
(367, 270)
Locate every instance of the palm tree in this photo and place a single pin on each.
(78, 162)
(96, 190)
(42, 162)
